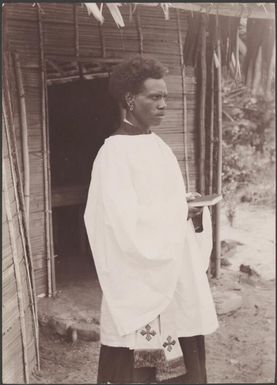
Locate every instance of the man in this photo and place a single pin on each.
(156, 303)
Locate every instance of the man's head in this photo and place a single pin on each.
(139, 87)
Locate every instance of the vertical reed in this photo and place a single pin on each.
(219, 155)
(202, 133)
(77, 39)
(102, 40)
(45, 158)
(211, 126)
(52, 256)
(25, 141)
(183, 75)
(139, 31)
(76, 30)
(210, 131)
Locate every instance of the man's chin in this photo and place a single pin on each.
(157, 120)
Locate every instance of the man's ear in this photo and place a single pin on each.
(129, 98)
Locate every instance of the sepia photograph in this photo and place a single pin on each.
(138, 193)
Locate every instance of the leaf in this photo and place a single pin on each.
(165, 8)
(113, 7)
(93, 9)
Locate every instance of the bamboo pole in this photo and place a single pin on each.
(19, 196)
(86, 59)
(77, 40)
(211, 139)
(139, 31)
(122, 39)
(73, 78)
(102, 40)
(202, 132)
(25, 141)
(238, 70)
(5, 35)
(17, 277)
(183, 75)
(219, 159)
(76, 30)
(211, 126)
(269, 77)
(45, 144)
(256, 82)
(52, 254)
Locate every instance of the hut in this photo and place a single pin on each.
(57, 113)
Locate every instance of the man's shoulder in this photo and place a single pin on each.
(119, 131)
(163, 142)
(110, 149)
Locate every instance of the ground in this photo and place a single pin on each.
(242, 350)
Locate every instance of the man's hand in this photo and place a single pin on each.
(193, 212)
(191, 195)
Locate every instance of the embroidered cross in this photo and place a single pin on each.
(148, 332)
(169, 343)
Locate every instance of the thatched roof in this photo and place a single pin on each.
(259, 43)
(249, 10)
(245, 10)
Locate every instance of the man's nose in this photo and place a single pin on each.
(162, 104)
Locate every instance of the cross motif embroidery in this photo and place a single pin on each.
(148, 332)
(169, 343)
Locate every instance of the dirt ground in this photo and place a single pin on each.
(242, 350)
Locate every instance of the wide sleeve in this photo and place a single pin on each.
(134, 243)
(139, 229)
(203, 239)
(118, 200)
(112, 202)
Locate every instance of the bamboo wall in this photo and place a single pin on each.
(23, 38)
(67, 33)
(19, 333)
(148, 33)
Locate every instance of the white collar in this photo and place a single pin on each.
(127, 121)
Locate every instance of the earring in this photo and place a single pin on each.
(131, 106)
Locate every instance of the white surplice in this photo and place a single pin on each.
(150, 263)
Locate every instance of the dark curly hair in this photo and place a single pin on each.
(129, 75)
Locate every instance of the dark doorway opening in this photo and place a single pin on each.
(81, 116)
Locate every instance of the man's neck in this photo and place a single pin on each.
(130, 119)
(127, 128)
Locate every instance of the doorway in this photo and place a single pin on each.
(81, 116)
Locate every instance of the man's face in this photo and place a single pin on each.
(150, 103)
